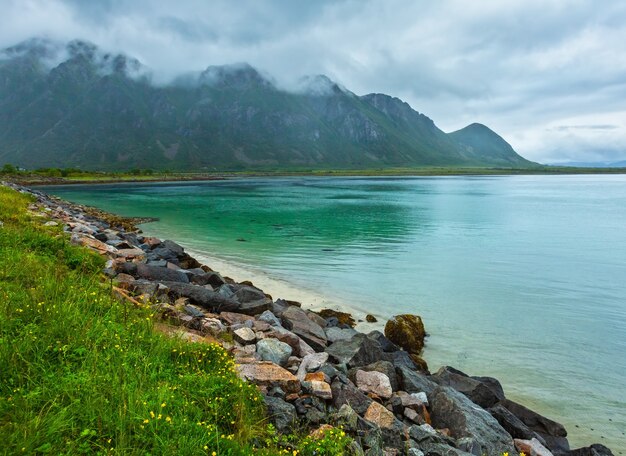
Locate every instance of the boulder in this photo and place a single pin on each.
(255, 307)
(381, 417)
(512, 424)
(414, 382)
(280, 305)
(311, 363)
(432, 443)
(453, 410)
(371, 318)
(315, 318)
(344, 392)
(383, 367)
(374, 382)
(406, 331)
(356, 352)
(245, 293)
(155, 273)
(480, 392)
(400, 358)
(269, 375)
(532, 447)
(296, 320)
(343, 318)
(234, 318)
(553, 433)
(268, 317)
(334, 333)
(245, 336)
(274, 350)
(209, 278)
(201, 296)
(320, 389)
(281, 413)
(593, 450)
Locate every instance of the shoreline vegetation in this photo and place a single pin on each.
(163, 355)
(69, 176)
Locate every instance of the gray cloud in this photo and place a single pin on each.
(526, 68)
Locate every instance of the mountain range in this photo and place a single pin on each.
(74, 105)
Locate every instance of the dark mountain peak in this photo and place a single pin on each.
(475, 131)
(81, 48)
(396, 108)
(478, 140)
(236, 76)
(42, 48)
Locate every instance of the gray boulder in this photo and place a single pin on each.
(245, 293)
(512, 424)
(453, 410)
(593, 450)
(553, 433)
(414, 382)
(344, 392)
(385, 344)
(268, 317)
(356, 352)
(159, 274)
(273, 350)
(281, 413)
(334, 333)
(202, 297)
(484, 393)
(384, 367)
(297, 321)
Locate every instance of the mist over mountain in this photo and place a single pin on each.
(74, 105)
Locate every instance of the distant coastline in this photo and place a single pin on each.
(88, 178)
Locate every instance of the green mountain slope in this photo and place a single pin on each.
(95, 110)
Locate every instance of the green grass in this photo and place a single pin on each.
(81, 373)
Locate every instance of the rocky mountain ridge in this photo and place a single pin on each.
(77, 106)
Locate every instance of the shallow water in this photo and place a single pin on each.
(518, 277)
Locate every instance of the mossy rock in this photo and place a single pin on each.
(406, 331)
(343, 317)
(370, 318)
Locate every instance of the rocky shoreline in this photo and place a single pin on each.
(314, 368)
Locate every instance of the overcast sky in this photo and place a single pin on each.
(547, 75)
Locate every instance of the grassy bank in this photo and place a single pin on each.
(83, 373)
(74, 176)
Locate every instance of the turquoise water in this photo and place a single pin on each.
(518, 277)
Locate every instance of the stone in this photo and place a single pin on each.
(381, 417)
(226, 291)
(233, 318)
(406, 331)
(53, 223)
(92, 243)
(484, 393)
(532, 447)
(255, 307)
(268, 317)
(274, 350)
(383, 367)
(282, 414)
(212, 326)
(594, 450)
(334, 333)
(296, 320)
(269, 375)
(315, 318)
(453, 410)
(321, 389)
(400, 358)
(311, 363)
(347, 393)
(371, 318)
(159, 274)
(201, 296)
(244, 336)
(193, 311)
(385, 344)
(374, 382)
(136, 254)
(414, 452)
(433, 443)
(413, 416)
(247, 293)
(414, 382)
(344, 318)
(356, 352)
(412, 400)
(553, 433)
(512, 424)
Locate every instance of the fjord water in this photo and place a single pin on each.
(518, 277)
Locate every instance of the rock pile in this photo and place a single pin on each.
(314, 368)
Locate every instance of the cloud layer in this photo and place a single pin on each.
(548, 75)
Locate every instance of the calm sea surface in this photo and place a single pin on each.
(519, 277)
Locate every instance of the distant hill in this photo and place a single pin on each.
(74, 105)
(616, 164)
